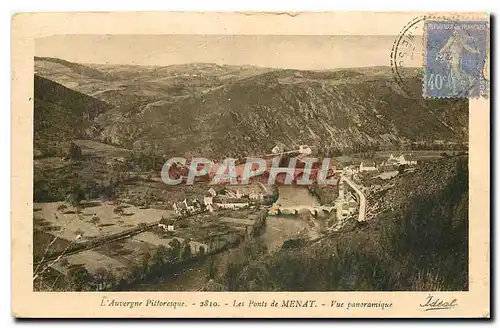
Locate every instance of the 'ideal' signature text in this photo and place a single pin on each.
(434, 303)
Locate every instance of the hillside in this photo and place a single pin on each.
(421, 244)
(253, 115)
(61, 114)
(220, 110)
(130, 85)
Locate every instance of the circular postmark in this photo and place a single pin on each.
(406, 53)
(418, 54)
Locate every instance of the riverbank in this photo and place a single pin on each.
(266, 237)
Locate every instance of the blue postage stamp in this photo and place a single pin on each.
(456, 55)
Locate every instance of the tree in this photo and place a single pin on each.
(93, 190)
(159, 257)
(201, 251)
(76, 195)
(276, 195)
(79, 278)
(145, 261)
(75, 152)
(95, 220)
(254, 277)
(135, 273)
(118, 210)
(79, 232)
(211, 269)
(148, 197)
(402, 168)
(175, 249)
(186, 250)
(103, 277)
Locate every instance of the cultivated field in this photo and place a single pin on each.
(98, 149)
(92, 261)
(96, 219)
(209, 231)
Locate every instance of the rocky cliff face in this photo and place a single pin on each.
(61, 114)
(214, 110)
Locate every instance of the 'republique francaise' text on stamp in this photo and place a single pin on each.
(456, 59)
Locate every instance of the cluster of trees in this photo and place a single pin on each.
(437, 146)
(237, 272)
(59, 149)
(92, 190)
(145, 162)
(162, 261)
(74, 152)
(368, 150)
(335, 152)
(326, 195)
(67, 184)
(69, 181)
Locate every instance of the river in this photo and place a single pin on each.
(281, 228)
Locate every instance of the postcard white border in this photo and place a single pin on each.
(26, 303)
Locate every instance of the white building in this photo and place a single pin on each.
(305, 150)
(166, 224)
(347, 170)
(209, 208)
(238, 194)
(400, 160)
(212, 192)
(233, 206)
(208, 200)
(363, 167)
(254, 195)
(176, 209)
(166, 227)
(289, 211)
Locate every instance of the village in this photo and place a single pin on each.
(205, 219)
(211, 201)
(350, 202)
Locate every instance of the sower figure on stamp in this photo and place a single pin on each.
(453, 52)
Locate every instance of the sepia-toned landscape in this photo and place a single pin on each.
(396, 218)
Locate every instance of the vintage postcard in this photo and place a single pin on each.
(252, 165)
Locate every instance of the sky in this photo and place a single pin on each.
(283, 51)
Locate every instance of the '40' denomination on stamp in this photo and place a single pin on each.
(456, 58)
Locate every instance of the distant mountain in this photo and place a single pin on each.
(77, 69)
(61, 114)
(134, 83)
(221, 110)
